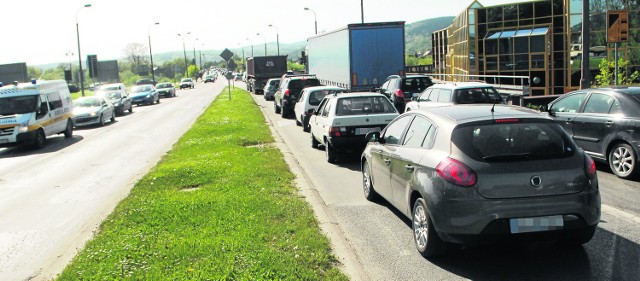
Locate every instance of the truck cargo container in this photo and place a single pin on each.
(359, 56)
(261, 69)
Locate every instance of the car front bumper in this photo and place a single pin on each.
(86, 120)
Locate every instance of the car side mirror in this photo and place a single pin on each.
(43, 109)
(373, 137)
(544, 108)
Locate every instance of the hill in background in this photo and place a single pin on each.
(417, 35)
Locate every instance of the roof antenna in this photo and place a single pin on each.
(494, 105)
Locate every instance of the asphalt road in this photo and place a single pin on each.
(53, 199)
(375, 241)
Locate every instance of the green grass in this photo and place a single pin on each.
(220, 206)
(87, 93)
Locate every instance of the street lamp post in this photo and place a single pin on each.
(184, 49)
(362, 10)
(194, 51)
(79, 55)
(277, 37)
(315, 18)
(251, 41)
(153, 76)
(265, 43)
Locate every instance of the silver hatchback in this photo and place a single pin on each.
(471, 174)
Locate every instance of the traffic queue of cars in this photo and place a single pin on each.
(465, 167)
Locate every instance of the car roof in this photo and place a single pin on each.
(626, 90)
(461, 85)
(357, 94)
(316, 88)
(465, 113)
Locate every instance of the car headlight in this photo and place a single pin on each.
(148, 95)
(116, 104)
(23, 128)
(92, 114)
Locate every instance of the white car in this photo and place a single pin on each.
(308, 102)
(455, 93)
(342, 120)
(186, 83)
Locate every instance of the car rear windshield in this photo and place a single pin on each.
(316, 96)
(513, 139)
(363, 105)
(415, 84)
(636, 96)
(477, 95)
(296, 86)
(163, 85)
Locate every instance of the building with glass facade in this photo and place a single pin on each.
(541, 40)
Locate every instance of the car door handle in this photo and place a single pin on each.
(387, 161)
(409, 168)
(608, 123)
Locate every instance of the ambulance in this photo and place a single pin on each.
(31, 112)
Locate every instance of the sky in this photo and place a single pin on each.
(44, 31)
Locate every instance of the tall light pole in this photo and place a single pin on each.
(362, 10)
(194, 51)
(250, 41)
(277, 37)
(315, 18)
(265, 43)
(79, 55)
(184, 49)
(153, 76)
(242, 60)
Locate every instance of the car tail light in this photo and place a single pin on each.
(287, 92)
(590, 167)
(337, 131)
(456, 172)
(399, 93)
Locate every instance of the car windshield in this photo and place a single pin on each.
(477, 95)
(363, 105)
(315, 97)
(109, 88)
(513, 140)
(296, 86)
(86, 102)
(113, 95)
(140, 89)
(18, 105)
(186, 80)
(163, 85)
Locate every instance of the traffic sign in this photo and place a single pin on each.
(226, 54)
(229, 76)
(231, 65)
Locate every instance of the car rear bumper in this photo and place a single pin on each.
(348, 143)
(466, 217)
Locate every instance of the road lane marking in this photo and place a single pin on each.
(621, 214)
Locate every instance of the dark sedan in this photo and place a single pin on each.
(120, 100)
(605, 122)
(166, 90)
(469, 174)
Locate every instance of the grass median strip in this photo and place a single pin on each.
(220, 206)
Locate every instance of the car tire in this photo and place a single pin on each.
(298, 123)
(131, 108)
(314, 143)
(283, 112)
(102, 120)
(113, 117)
(276, 108)
(40, 140)
(331, 153)
(623, 161)
(68, 132)
(305, 127)
(158, 102)
(367, 185)
(425, 237)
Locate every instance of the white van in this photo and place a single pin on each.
(30, 112)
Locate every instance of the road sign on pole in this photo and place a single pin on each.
(231, 65)
(226, 54)
(617, 26)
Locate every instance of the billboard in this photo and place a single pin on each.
(108, 71)
(13, 72)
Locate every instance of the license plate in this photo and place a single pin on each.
(4, 140)
(364, 131)
(523, 225)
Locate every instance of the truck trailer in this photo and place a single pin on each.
(358, 57)
(261, 69)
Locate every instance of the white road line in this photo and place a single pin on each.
(620, 214)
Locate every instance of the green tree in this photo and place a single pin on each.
(291, 65)
(193, 70)
(34, 72)
(607, 73)
(53, 74)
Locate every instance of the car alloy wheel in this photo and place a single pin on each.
(425, 236)
(40, 140)
(622, 160)
(367, 186)
(102, 120)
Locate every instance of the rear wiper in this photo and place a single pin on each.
(498, 157)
